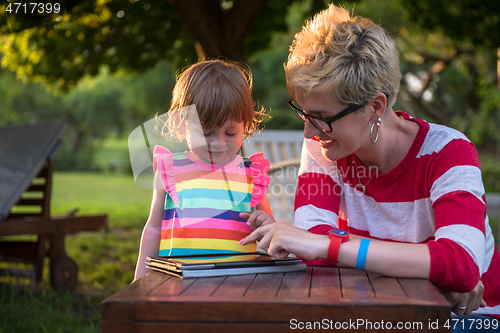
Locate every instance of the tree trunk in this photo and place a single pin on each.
(219, 33)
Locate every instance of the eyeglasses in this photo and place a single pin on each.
(324, 124)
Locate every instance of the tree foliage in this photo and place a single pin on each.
(458, 65)
(449, 74)
(135, 35)
(473, 21)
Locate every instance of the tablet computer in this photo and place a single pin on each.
(223, 260)
(220, 264)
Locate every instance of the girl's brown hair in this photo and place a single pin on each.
(218, 90)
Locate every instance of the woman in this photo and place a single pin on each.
(410, 193)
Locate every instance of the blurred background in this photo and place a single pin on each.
(108, 66)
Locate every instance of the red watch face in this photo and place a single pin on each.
(338, 233)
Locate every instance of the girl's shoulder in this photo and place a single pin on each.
(259, 169)
(170, 159)
(257, 161)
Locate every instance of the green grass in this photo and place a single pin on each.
(48, 311)
(117, 195)
(106, 259)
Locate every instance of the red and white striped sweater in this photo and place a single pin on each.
(434, 196)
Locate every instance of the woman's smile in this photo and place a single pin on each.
(325, 144)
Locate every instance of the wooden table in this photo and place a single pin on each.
(336, 299)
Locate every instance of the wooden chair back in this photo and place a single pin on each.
(277, 145)
(281, 190)
(282, 148)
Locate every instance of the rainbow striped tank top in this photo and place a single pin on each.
(203, 202)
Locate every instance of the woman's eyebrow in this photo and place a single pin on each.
(311, 112)
(319, 113)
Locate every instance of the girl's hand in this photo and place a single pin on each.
(257, 218)
(280, 239)
(471, 300)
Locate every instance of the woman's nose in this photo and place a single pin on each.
(310, 130)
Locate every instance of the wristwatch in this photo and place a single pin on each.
(337, 237)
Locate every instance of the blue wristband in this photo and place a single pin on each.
(362, 252)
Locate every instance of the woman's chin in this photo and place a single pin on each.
(329, 157)
(331, 154)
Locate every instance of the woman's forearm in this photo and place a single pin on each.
(386, 258)
(389, 258)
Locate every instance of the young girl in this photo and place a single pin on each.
(203, 197)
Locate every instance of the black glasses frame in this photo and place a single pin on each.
(303, 116)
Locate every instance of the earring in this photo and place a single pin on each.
(379, 121)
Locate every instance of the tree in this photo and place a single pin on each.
(474, 21)
(473, 28)
(137, 34)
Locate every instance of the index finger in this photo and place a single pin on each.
(257, 234)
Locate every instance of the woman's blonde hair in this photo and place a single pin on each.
(218, 90)
(351, 58)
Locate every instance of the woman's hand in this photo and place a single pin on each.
(465, 303)
(257, 218)
(280, 239)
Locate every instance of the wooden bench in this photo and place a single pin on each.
(26, 170)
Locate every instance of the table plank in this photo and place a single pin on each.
(424, 292)
(174, 287)
(234, 286)
(265, 287)
(387, 289)
(325, 285)
(203, 288)
(295, 285)
(356, 286)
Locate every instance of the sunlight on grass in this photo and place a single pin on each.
(106, 259)
(116, 195)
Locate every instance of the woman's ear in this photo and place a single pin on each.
(379, 105)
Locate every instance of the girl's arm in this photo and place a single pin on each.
(151, 235)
